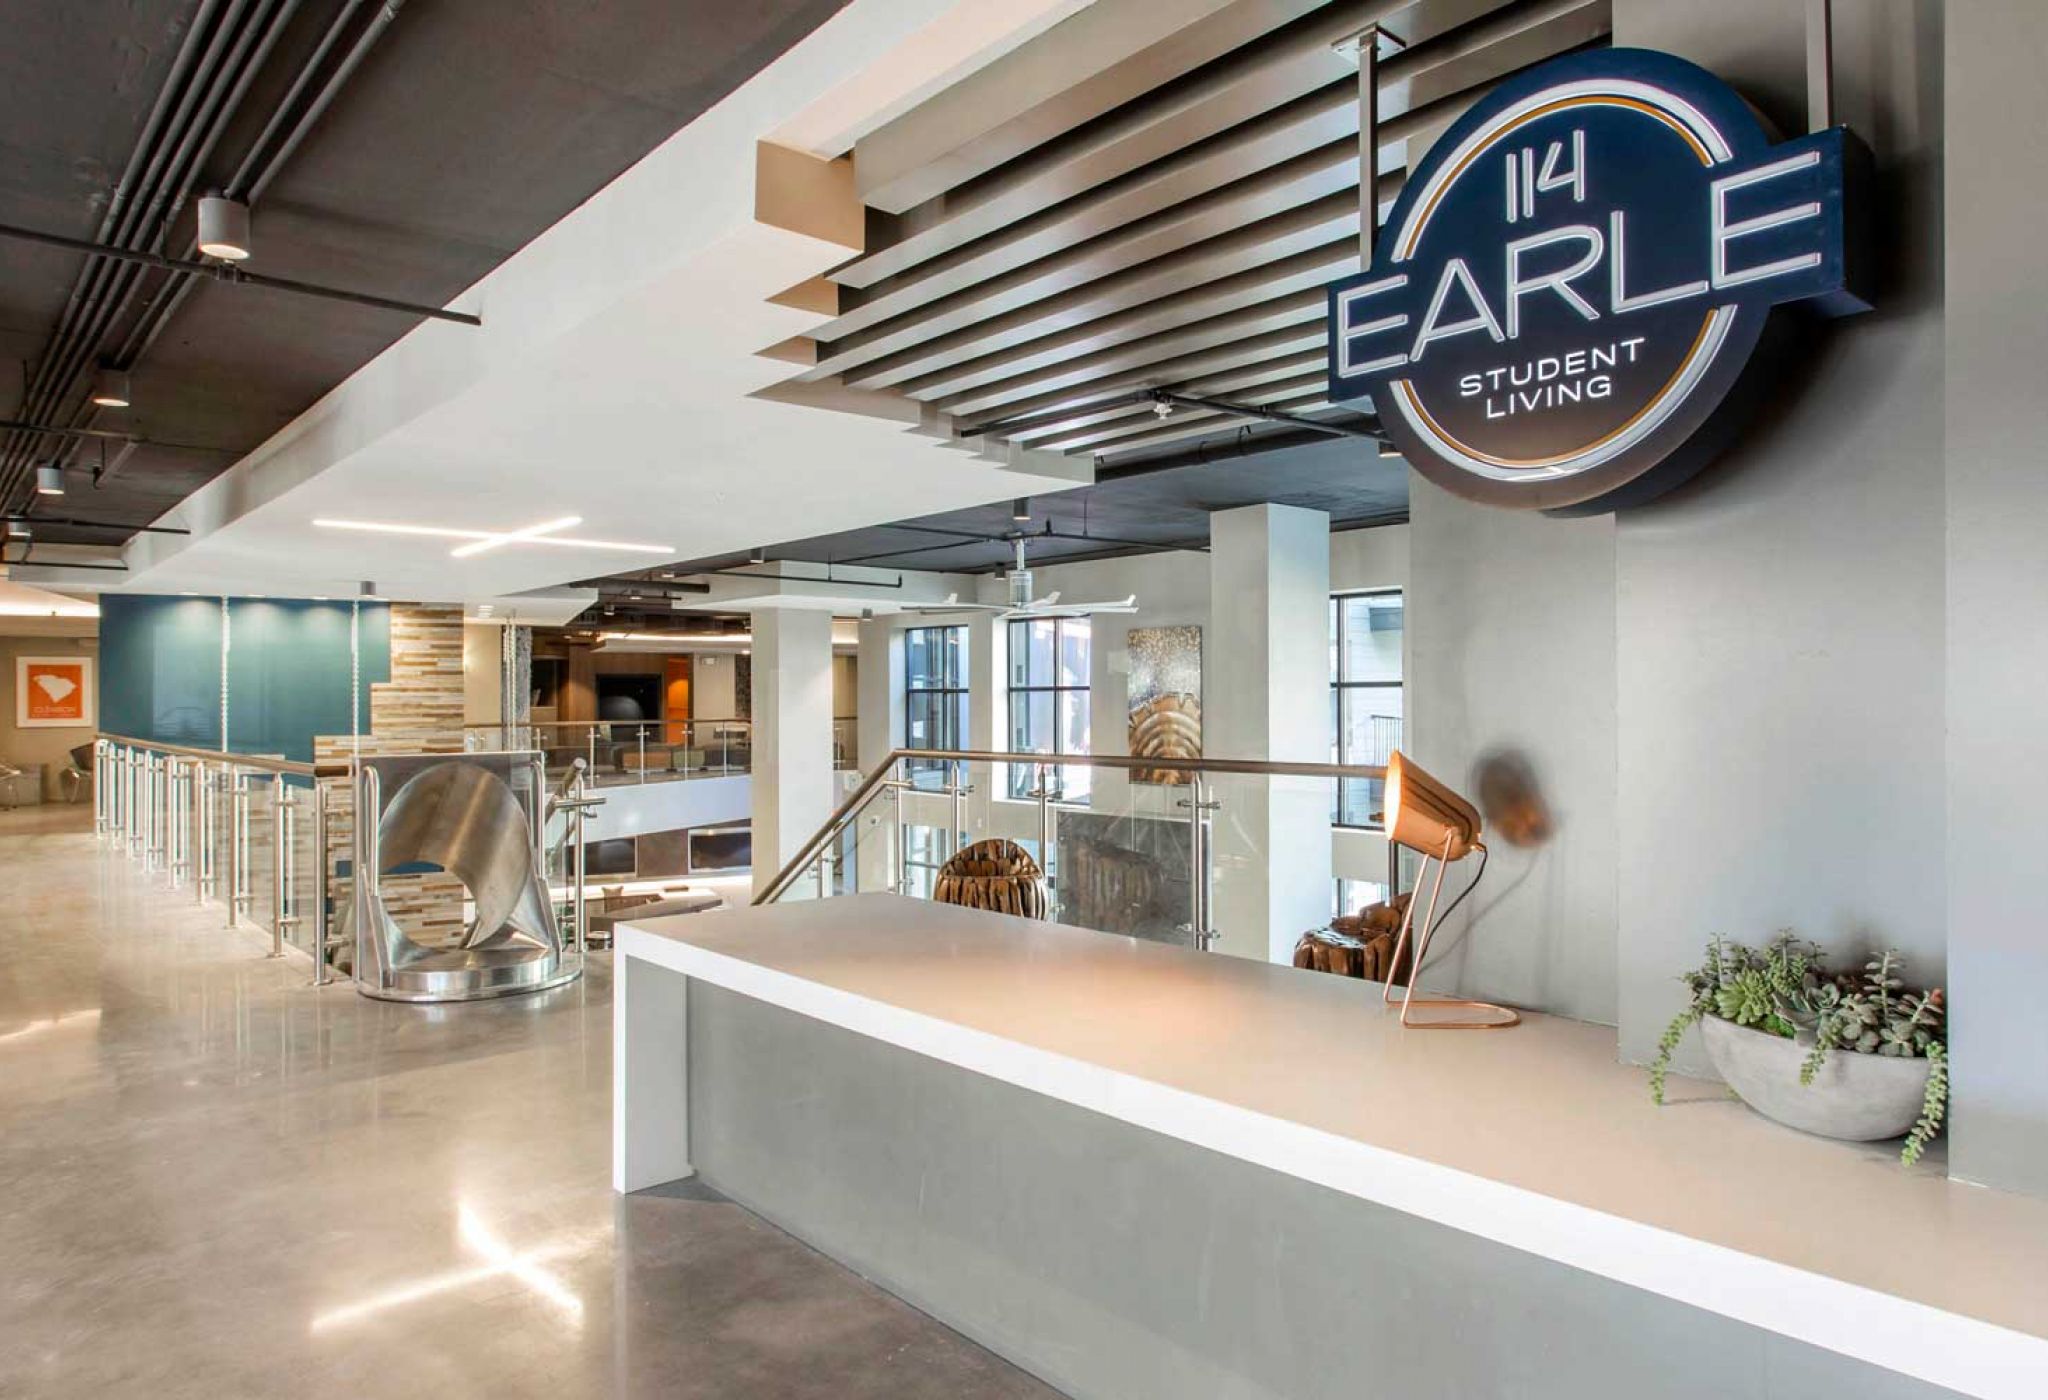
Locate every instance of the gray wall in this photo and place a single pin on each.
(1779, 623)
(1119, 1263)
(1732, 699)
(1997, 662)
(1511, 651)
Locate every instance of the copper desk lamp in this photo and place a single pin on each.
(1437, 824)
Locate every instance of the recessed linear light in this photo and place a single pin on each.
(531, 532)
(490, 536)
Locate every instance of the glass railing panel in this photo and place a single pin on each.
(1269, 853)
(1123, 860)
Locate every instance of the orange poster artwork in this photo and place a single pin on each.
(53, 692)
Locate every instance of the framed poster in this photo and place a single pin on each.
(1165, 699)
(53, 692)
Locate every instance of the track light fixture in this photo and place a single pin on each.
(50, 480)
(111, 389)
(223, 228)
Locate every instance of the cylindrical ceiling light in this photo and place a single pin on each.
(50, 480)
(111, 389)
(223, 228)
(1020, 510)
(17, 529)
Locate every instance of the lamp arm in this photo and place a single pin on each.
(1477, 876)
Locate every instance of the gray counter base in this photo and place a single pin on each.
(1118, 1263)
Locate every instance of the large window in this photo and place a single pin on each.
(1049, 701)
(1365, 695)
(934, 697)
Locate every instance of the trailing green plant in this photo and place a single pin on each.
(1786, 989)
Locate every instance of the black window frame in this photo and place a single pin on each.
(1022, 777)
(953, 704)
(1356, 804)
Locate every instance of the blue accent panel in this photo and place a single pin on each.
(287, 672)
(159, 671)
(288, 675)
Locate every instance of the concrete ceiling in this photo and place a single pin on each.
(611, 380)
(468, 128)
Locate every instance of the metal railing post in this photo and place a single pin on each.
(238, 846)
(578, 859)
(1199, 806)
(897, 787)
(280, 809)
(1043, 792)
(640, 733)
(321, 915)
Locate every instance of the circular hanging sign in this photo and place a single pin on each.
(1561, 306)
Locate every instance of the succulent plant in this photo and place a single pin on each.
(1785, 988)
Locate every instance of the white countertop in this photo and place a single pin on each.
(1533, 1137)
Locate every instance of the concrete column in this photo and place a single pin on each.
(1997, 577)
(1266, 671)
(881, 730)
(881, 691)
(988, 719)
(792, 733)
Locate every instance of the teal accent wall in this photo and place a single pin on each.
(286, 675)
(159, 672)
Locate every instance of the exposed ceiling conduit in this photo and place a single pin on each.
(251, 180)
(213, 70)
(261, 163)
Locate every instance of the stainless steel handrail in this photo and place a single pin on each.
(239, 760)
(1253, 767)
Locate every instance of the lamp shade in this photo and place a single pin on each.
(1426, 816)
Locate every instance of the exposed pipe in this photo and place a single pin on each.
(68, 523)
(191, 95)
(377, 25)
(108, 292)
(1246, 442)
(251, 180)
(1270, 415)
(228, 272)
(238, 184)
(106, 435)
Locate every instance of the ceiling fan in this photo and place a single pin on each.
(1022, 605)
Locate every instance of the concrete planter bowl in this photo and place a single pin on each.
(1859, 1098)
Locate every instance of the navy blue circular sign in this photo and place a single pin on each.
(1575, 277)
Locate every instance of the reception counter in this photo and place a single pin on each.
(1137, 1170)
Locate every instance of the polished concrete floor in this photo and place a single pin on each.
(217, 1181)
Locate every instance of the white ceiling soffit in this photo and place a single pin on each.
(948, 49)
(612, 380)
(1145, 196)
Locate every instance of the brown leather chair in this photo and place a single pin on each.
(998, 875)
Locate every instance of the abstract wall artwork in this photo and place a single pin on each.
(1165, 701)
(53, 692)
